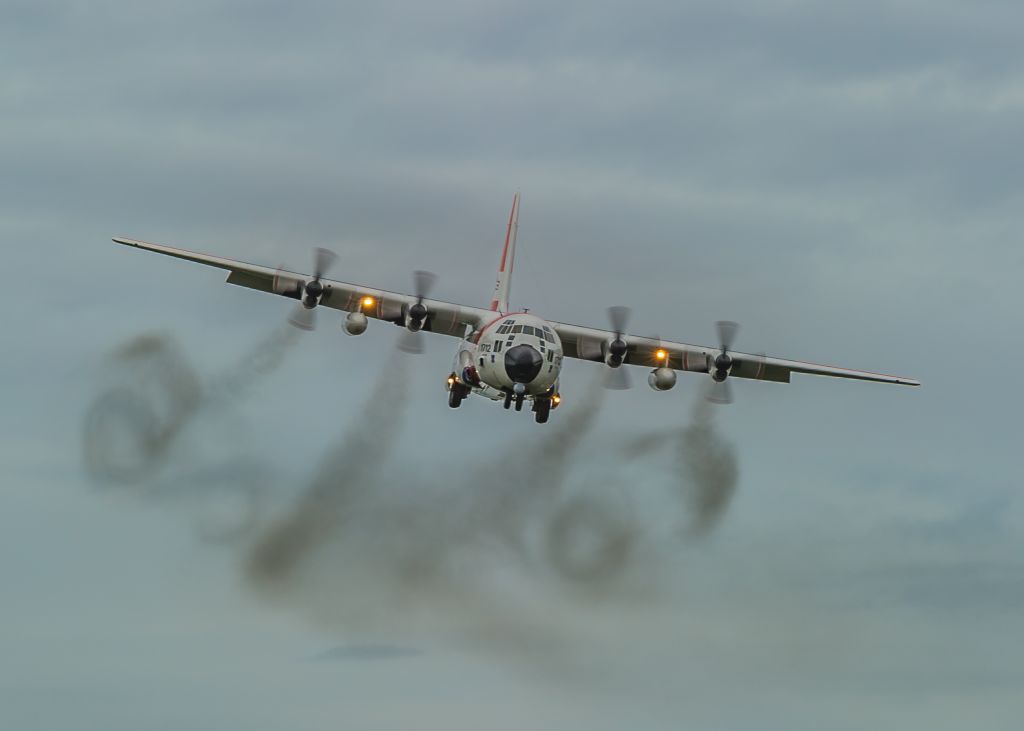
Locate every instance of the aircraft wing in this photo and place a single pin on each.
(444, 317)
(588, 343)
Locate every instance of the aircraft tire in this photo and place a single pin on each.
(542, 410)
(456, 395)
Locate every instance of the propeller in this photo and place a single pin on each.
(721, 389)
(309, 293)
(411, 340)
(617, 378)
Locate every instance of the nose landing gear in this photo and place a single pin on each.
(542, 403)
(520, 393)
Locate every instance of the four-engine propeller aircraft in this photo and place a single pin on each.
(512, 357)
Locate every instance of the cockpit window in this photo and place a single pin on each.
(549, 337)
(517, 329)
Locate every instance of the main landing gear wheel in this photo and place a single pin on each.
(456, 394)
(508, 400)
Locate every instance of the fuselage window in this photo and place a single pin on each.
(517, 329)
(497, 346)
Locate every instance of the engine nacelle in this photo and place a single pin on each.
(413, 326)
(415, 317)
(615, 352)
(720, 367)
(662, 379)
(355, 323)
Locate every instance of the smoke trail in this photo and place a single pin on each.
(589, 541)
(479, 552)
(259, 362)
(329, 499)
(711, 463)
(129, 428)
(705, 462)
(541, 467)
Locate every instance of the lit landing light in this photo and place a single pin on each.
(556, 399)
(660, 355)
(451, 380)
(368, 302)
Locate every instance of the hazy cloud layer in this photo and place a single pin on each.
(843, 179)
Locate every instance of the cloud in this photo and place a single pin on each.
(844, 179)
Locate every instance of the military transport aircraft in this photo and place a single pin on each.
(512, 357)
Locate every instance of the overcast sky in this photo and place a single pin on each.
(845, 179)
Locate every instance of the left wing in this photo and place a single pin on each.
(587, 343)
(443, 317)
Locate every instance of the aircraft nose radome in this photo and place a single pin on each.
(523, 363)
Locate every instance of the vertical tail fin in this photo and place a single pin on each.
(508, 257)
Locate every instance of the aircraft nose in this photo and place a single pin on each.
(523, 363)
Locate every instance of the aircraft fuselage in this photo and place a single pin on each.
(518, 348)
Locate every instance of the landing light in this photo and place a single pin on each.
(556, 399)
(368, 301)
(661, 354)
(451, 380)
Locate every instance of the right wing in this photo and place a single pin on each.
(445, 318)
(587, 343)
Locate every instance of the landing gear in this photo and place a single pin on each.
(508, 400)
(519, 390)
(457, 392)
(542, 409)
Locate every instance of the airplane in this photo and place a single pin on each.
(507, 356)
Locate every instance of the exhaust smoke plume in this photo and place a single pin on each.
(706, 468)
(492, 551)
(345, 471)
(152, 394)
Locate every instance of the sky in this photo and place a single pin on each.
(845, 179)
